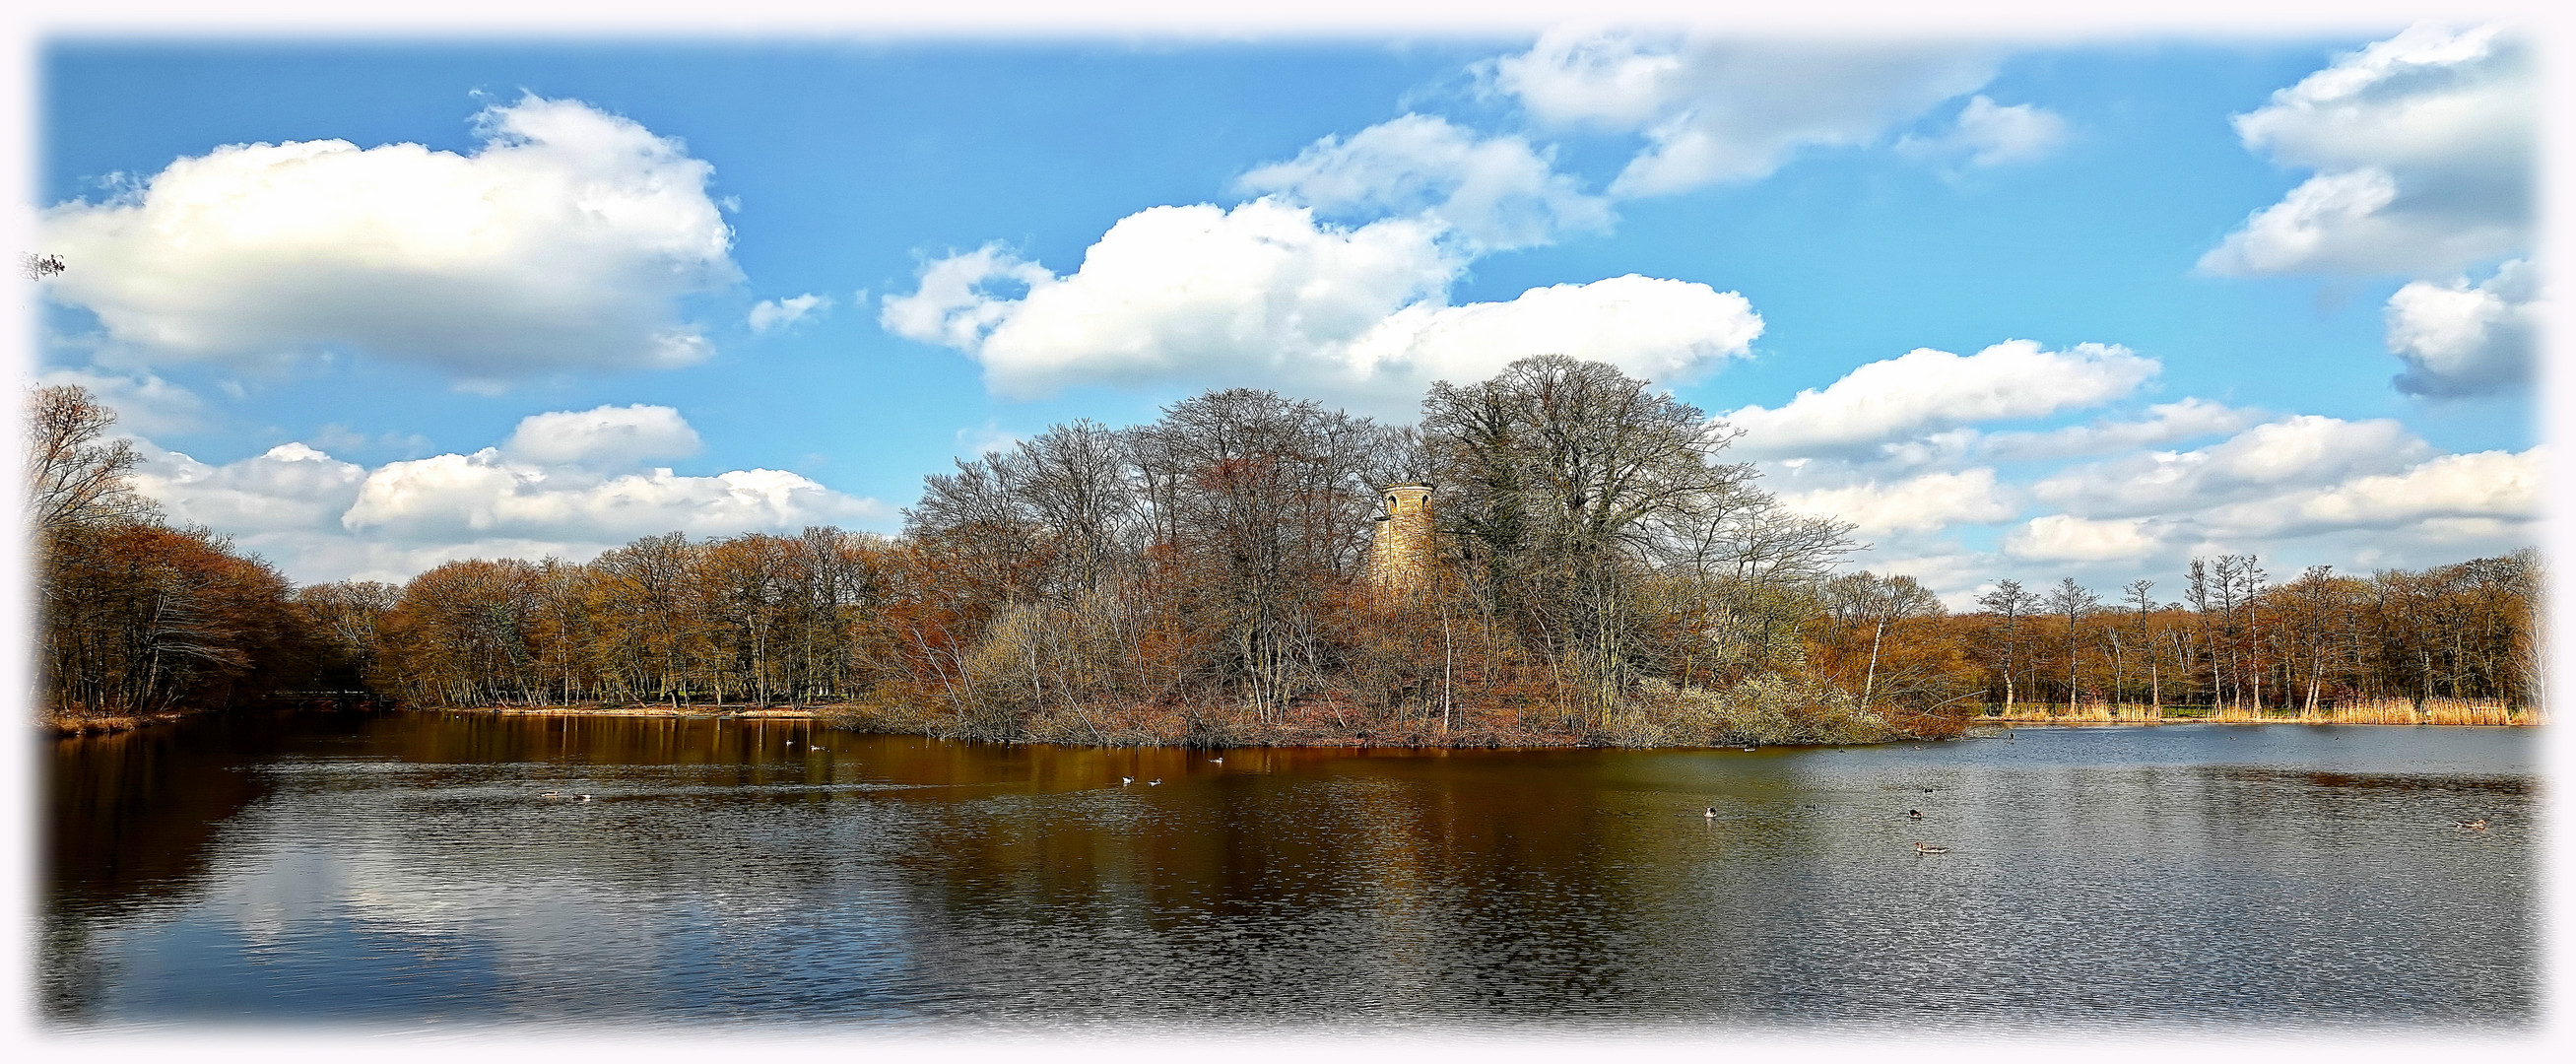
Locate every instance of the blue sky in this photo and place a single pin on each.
(336, 354)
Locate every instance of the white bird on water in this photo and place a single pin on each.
(1125, 780)
(1711, 814)
(1153, 783)
(1920, 848)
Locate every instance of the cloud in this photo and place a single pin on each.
(2165, 423)
(961, 298)
(2459, 338)
(547, 491)
(2060, 538)
(1927, 503)
(455, 496)
(1928, 389)
(608, 435)
(1988, 134)
(1498, 192)
(291, 487)
(2488, 484)
(562, 243)
(1717, 110)
(1264, 294)
(2418, 513)
(2291, 454)
(2423, 147)
(778, 313)
(144, 403)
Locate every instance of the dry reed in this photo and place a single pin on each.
(2477, 712)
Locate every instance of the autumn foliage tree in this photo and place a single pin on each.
(2239, 642)
(135, 618)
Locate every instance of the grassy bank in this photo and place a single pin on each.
(2437, 711)
(98, 724)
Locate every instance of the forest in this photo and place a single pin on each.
(1603, 576)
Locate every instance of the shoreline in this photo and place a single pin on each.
(2436, 713)
(858, 720)
(1977, 723)
(65, 727)
(1315, 728)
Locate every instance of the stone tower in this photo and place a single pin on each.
(1402, 553)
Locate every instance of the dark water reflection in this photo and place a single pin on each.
(400, 869)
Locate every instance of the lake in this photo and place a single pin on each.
(403, 870)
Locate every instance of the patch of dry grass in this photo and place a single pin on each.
(2469, 712)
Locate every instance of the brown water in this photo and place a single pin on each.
(402, 870)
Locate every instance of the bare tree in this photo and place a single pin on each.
(2010, 604)
(1877, 602)
(74, 480)
(1568, 483)
(2071, 604)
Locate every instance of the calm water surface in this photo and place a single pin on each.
(401, 870)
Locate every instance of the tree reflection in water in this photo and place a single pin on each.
(404, 868)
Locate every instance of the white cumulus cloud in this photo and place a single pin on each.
(779, 313)
(2291, 454)
(1499, 192)
(290, 488)
(2488, 484)
(144, 403)
(2060, 538)
(552, 489)
(564, 242)
(1926, 389)
(2459, 338)
(2423, 148)
(605, 435)
(1265, 294)
(456, 496)
(1927, 503)
(2172, 422)
(1986, 133)
(1718, 109)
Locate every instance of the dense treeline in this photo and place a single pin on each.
(2322, 641)
(1601, 574)
(137, 619)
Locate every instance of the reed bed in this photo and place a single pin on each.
(2474, 712)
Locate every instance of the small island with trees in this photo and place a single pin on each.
(1580, 565)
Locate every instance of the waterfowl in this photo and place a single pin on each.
(2480, 824)
(551, 794)
(1920, 848)
(583, 797)
(1711, 814)
(1915, 813)
(1153, 783)
(1125, 780)
(1216, 761)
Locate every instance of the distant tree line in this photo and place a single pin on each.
(1603, 575)
(2467, 631)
